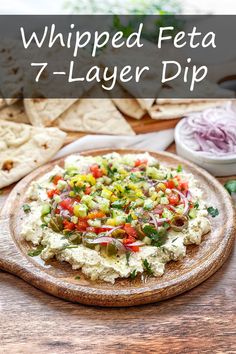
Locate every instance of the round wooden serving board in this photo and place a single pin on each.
(60, 280)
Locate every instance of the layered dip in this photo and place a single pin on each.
(115, 216)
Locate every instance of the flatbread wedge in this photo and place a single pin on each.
(128, 104)
(42, 111)
(14, 113)
(23, 148)
(170, 111)
(93, 115)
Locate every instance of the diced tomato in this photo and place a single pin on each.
(173, 199)
(87, 190)
(183, 186)
(96, 215)
(96, 171)
(130, 230)
(56, 179)
(159, 209)
(128, 240)
(67, 205)
(134, 248)
(82, 225)
(68, 225)
(52, 192)
(170, 184)
(140, 162)
(102, 229)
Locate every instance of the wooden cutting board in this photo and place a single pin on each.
(58, 279)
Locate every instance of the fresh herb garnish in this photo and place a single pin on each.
(36, 252)
(68, 247)
(26, 208)
(43, 226)
(77, 277)
(213, 211)
(231, 186)
(179, 168)
(147, 267)
(174, 240)
(127, 255)
(118, 204)
(129, 219)
(158, 238)
(133, 274)
(196, 205)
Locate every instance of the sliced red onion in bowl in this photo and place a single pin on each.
(212, 131)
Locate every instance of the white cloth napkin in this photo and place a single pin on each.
(157, 141)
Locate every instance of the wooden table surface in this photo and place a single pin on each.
(202, 320)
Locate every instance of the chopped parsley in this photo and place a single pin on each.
(36, 252)
(127, 258)
(77, 277)
(26, 208)
(179, 168)
(158, 238)
(147, 267)
(129, 219)
(196, 205)
(133, 275)
(213, 211)
(118, 204)
(231, 186)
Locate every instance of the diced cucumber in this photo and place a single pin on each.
(164, 200)
(192, 214)
(148, 204)
(46, 209)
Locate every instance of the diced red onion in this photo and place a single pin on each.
(184, 199)
(136, 243)
(158, 222)
(113, 229)
(213, 130)
(103, 239)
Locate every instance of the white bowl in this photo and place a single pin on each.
(217, 166)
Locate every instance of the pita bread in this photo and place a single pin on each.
(94, 116)
(146, 103)
(150, 80)
(11, 80)
(204, 89)
(128, 104)
(15, 113)
(2, 103)
(42, 111)
(171, 111)
(23, 148)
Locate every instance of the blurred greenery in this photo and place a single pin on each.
(124, 6)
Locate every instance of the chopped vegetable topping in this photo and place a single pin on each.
(118, 208)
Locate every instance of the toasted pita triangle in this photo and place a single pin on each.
(128, 104)
(15, 113)
(43, 111)
(170, 111)
(24, 148)
(94, 116)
